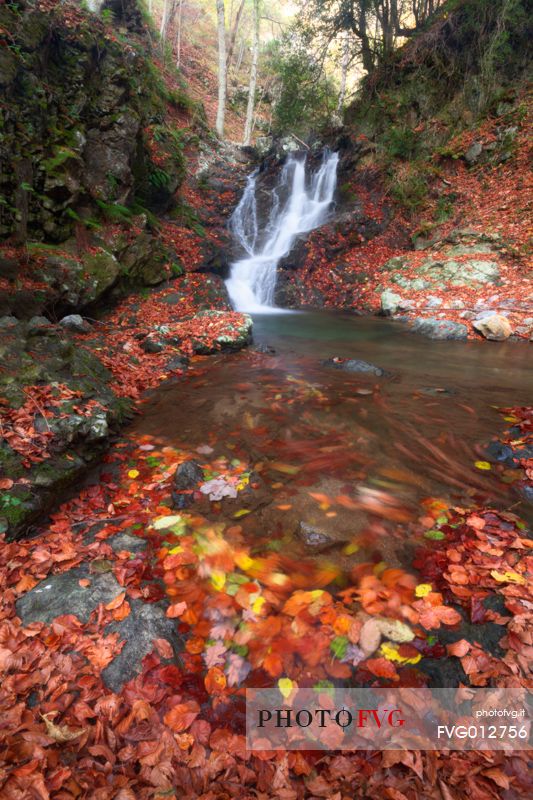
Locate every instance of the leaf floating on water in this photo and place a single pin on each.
(286, 686)
(436, 536)
(482, 465)
(166, 522)
(287, 469)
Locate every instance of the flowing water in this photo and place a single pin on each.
(300, 203)
(388, 443)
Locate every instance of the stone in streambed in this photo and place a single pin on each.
(314, 538)
(390, 302)
(62, 594)
(144, 623)
(187, 476)
(439, 328)
(355, 365)
(494, 327)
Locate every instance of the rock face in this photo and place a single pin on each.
(78, 416)
(95, 155)
(495, 327)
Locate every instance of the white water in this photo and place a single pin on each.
(252, 280)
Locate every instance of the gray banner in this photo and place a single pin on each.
(388, 719)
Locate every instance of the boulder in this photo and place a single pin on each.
(62, 594)
(439, 328)
(473, 153)
(495, 327)
(390, 302)
(75, 323)
(39, 326)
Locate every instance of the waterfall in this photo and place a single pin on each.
(299, 204)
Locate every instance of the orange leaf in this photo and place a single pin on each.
(215, 680)
(176, 610)
(116, 601)
(273, 665)
(122, 611)
(459, 648)
(181, 717)
(382, 668)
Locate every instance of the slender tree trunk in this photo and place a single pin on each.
(164, 21)
(178, 34)
(248, 127)
(221, 110)
(233, 35)
(344, 72)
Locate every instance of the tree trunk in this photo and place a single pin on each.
(233, 35)
(221, 110)
(248, 127)
(178, 35)
(344, 72)
(164, 21)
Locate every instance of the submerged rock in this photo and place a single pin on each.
(355, 365)
(314, 538)
(187, 476)
(439, 328)
(495, 327)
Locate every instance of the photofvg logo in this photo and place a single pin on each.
(388, 719)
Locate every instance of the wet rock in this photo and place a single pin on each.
(495, 327)
(179, 362)
(439, 328)
(501, 452)
(390, 302)
(127, 541)
(437, 391)
(62, 594)
(75, 323)
(239, 333)
(314, 538)
(266, 349)
(152, 345)
(39, 326)
(187, 476)
(144, 623)
(355, 365)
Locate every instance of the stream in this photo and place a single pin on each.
(385, 443)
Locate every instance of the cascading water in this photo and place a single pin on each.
(252, 279)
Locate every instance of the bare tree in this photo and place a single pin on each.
(248, 126)
(344, 71)
(233, 34)
(221, 26)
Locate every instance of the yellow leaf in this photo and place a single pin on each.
(244, 561)
(423, 589)
(218, 580)
(241, 513)
(350, 549)
(390, 651)
(258, 604)
(482, 465)
(133, 473)
(511, 419)
(507, 577)
(286, 686)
